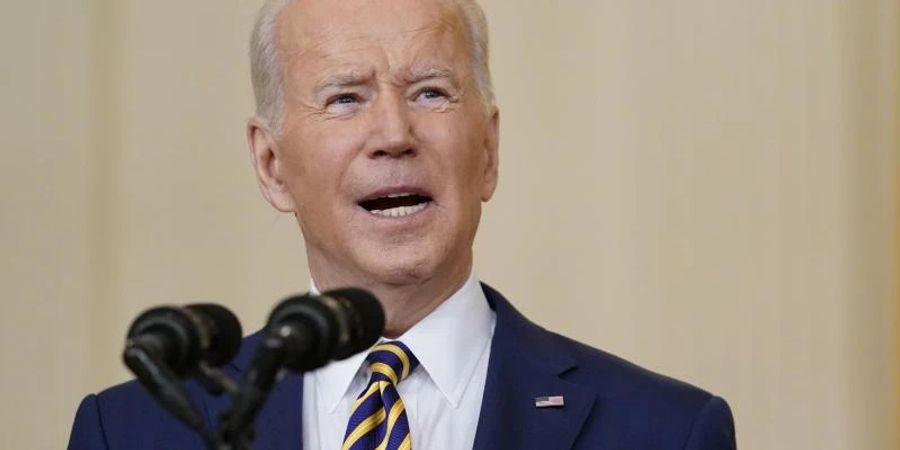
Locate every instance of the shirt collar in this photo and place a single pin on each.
(448, 343)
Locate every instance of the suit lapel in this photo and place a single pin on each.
(526, 363)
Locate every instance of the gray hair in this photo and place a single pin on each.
(265, 67)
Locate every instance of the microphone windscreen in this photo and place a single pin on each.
(168, 334)
(224, 330)
(367, 316)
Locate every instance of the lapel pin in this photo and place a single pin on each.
(553, 401)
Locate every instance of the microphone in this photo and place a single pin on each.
(182, 337)
(303, 333)
(166, 343)
(335, 325)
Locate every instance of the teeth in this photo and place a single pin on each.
(399, 211)
(399, 194)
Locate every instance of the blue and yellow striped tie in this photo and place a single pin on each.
(379, 419)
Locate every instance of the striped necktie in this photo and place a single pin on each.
(379, 419)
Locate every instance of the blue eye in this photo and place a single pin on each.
(430, 94)
(343, 99)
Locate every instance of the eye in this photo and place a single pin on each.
(343, 104)
(431, 94)
(343, 99)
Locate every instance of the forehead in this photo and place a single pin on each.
(326, 32)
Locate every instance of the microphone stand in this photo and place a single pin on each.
(236, 423)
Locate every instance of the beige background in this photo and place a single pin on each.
(708, 188)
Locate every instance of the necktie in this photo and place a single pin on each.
(379, 421)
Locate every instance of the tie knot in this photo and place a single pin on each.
(391, 361)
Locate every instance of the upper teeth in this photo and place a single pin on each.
(399, 211)
(399, 194)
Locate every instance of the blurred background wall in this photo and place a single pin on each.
(708, 188)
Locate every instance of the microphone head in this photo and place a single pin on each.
(335, 325)
(366, 319)
(170, 334)
(223, 330)
(182, 337)
(310, 330)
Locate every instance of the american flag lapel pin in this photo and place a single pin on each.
(552, 401)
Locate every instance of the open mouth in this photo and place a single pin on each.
(396, 205)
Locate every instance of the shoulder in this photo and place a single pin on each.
(614, 377)
(654, 409)
(610, 375)
(635, 390)
(633, 405)
(126, 417)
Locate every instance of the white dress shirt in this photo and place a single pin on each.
(442, 396)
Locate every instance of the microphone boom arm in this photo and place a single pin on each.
(163, 385)
(237, 422)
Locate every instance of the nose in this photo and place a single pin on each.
(392, 135)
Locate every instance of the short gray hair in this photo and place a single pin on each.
(265, 67)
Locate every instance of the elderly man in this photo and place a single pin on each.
(376, 128)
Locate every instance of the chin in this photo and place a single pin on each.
(402, 267)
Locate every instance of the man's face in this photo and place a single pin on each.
(388, 149)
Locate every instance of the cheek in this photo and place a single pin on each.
(457, 143)
(316, 158)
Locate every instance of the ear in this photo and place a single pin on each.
(492, 159)
(264, 153)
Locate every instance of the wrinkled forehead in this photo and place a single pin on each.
(317, 29)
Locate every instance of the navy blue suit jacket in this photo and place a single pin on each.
(609, 403)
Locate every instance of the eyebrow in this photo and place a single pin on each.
(356, 78)
(343, 79)
(429, 73)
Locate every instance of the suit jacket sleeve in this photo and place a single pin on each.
(87, 431)
(713, 428)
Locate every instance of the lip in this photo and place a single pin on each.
(411, 219)
(384, 192)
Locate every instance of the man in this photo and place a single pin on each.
(376, 128)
